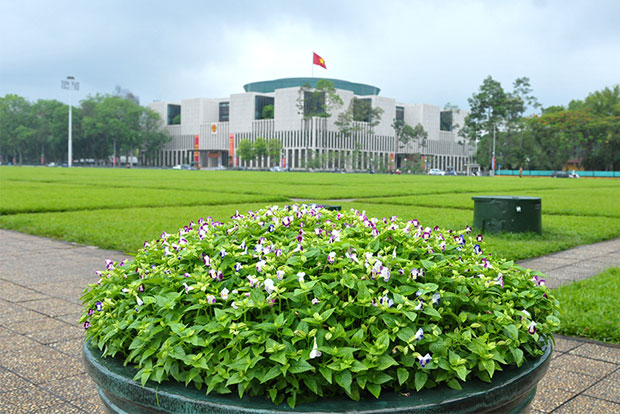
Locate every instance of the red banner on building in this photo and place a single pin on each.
(231, 149)
(196, 147)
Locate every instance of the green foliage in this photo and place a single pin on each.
(405, 133)
(359, 116)
(267, 112)
(274, 150)
(33, 132)
(299, 302)
(589, 307)
(320, 101)
(245, 150)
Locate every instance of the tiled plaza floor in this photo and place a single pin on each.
(41, 369)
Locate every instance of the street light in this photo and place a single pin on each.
(71, 84)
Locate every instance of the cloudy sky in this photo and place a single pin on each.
(415, 51)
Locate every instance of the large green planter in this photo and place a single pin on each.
(511, 391)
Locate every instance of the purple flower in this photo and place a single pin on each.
(532, 328)
(206, 259)
(259, 265)
(477, 249)
(331, 257)
(500, 280)
(315, 301)
(252, 280)
(99, 306)
(424, 359)
(222, 253)
(141, 288)
(479, 237)
(436, 298)
(187, 288)
(280, 274)
(224, 293)
(187, 275)
(86, 325)
(426, 235)
(210, 299)
(90, 311)
(419, 305)
(419, 335)
(237, 267)
(468, 229)
(109, 264)
(278, 252)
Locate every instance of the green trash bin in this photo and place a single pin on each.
(494, 214)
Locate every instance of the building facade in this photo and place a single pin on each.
(208, 131)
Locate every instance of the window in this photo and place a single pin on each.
(400, 113)
(445, 121)
(263, 107)
(224, 111)
(314, 103)
(362, 109)
(174, 114)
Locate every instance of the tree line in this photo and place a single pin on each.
(103, 127)
(584, 133)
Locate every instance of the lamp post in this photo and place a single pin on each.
(71, 84)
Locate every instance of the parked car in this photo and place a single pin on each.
(436, 171)
(275, 169)
(565, 174)
(182, 167)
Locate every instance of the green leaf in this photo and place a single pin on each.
(454, 384)
(432, 312)
(511, 332)
(386, 361)
(427, 264)
(271, 374)
(311, 384)
(358, 337)
(461, 372)
(300, 366)
(358, 367)
(344, 379)
(406, 334)
(327, 373)
(420, 380)
(279, 357)
(518, 355)
(374, 389)
(403, 375)
(279, 320)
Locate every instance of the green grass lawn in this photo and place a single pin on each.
(590, 307)
(119, 209)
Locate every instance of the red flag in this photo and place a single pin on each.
(318, 60)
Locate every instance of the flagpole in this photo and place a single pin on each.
(313, 64)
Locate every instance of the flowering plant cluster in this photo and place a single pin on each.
(296, 302)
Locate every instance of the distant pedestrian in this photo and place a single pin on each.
(520, 172)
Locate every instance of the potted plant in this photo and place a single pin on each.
(296, 307)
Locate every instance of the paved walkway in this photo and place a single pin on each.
(41, 370)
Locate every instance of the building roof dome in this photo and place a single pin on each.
(272, 85)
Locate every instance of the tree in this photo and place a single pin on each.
(267, 112)
(245, 150)
(274, 150)
(359, 115)
(15, 126)
(260, 149)
(320, 101)
(495, 112)
(405, 133)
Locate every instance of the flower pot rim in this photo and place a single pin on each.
(117, 388)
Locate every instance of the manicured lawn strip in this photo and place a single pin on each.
(26, 197)
(589, 308)
(124, 229)
(579, 201)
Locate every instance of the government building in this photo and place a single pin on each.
(208, 131)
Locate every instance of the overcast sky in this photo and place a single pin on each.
(415, 51)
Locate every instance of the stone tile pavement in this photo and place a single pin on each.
(41, 371)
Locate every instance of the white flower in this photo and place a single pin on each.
(419, 335)
(139, 301)
(315, 301)
(300, 276)
(269, 286)
(187, 288)
(280, 274)
(224, 293)
(315, 353)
